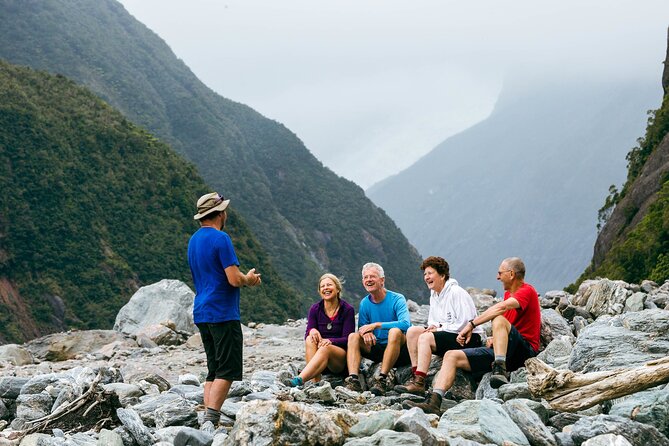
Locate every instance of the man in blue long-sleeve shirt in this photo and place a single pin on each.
(383, 320)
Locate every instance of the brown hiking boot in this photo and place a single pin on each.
(415, 385)
(432, 404)
(499, 375)
(352, 383)
(382, 385)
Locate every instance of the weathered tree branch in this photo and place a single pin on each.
(568, 391)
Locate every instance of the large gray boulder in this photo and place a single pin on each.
(484, 421)
(649, 407)
(288, 423)
(626, 340)
(15, 354)
(636, 433)
(167, 300)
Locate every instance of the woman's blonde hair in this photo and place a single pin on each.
(336, 281)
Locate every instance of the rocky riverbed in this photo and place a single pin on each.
(141, 383)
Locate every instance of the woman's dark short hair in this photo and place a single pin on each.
(439, 264)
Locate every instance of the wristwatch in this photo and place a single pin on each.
(471, 321)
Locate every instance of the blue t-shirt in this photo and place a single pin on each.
(392, 311)
(210, 251)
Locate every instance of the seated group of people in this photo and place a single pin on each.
(385, 334)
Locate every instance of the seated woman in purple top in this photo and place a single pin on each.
(329, 323)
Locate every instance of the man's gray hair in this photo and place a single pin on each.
(376, 266)
(517, 265)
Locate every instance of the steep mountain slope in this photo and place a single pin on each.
(527, 181)
(307, 218)
(634, 243)
(92, 207)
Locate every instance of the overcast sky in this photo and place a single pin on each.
(370, 86)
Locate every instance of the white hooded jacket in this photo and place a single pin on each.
(451, 309)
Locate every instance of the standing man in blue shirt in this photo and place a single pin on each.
(217, 278)
(383, 320)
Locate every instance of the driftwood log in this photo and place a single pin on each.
(94, 409)
(569, 391)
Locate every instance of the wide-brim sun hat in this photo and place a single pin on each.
(209, 203)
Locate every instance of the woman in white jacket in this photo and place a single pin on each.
(451, 308)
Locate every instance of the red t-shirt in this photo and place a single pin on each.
(527, 318)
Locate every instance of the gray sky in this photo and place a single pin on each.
(370, 86)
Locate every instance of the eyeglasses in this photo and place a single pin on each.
(499, 273)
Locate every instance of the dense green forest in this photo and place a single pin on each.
(639, 251)
(92, 207)
(308, 219)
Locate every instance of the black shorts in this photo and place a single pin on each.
(518, 350)
(377, 351)
(223, 345)
(445, 340)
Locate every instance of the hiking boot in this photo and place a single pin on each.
(432, 404)
(353, 383)
(499, 377)
(382, 385)
(415, 385)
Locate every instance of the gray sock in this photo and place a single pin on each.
(439, 392)
(500, 358)
(212, 415)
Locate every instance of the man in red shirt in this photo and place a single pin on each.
(516, 328)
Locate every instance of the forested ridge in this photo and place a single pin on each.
(307, 219)
(92, 207)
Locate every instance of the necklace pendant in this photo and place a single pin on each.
(329, 326)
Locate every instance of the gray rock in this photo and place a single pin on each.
(264, 395)
(189, 380)
(167, 300)
(193, 437)
(512, 391)
(133, 423)
(606, 297)
(15, 354)
(484, 390)
(259, 422)
(150, 404)
(263, 379)
(607, 440)
(373, 422)
(626, 340)
(649, 407)
(530, 423)
(82, 439)
(563, 419)
(554, 326)
(63, 346)
(181, 413)
(231, 408)
(323, 393)
(579, 324)
(109, 438)
(387, 438)
(33, 406)
(66, 395)
(240, 388)
(484, 421)
(5, 413)
(564, 439)
(159, 334)
(38, 383)
(551, 299)
(541, 409)
(33, 439)
(635, 302)
(125, 435)
(125, 392)
(648, 286)
(558, 349)
(219, 439)
(10, 386)
(636, 433)
(416, 422)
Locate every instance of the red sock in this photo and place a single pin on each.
(413, 370)
(419, 373)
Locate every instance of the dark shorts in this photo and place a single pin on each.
(377, 351)
(445, 340)
(518, 350)
(223, 345)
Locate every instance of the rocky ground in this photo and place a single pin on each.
(141, 383)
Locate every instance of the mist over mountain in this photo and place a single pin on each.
(308, 219)
(527, 181)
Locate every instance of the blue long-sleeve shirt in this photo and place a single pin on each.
(392, 312)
